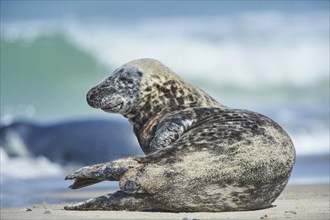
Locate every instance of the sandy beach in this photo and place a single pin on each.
(296, 202)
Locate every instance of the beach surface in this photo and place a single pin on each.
(296, 202)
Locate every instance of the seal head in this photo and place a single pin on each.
(142, 88)
(118, 92)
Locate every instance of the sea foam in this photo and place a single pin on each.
(244, 49)
(27, 167)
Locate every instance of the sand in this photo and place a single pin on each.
(296, 202)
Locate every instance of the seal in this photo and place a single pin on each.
(201, 156)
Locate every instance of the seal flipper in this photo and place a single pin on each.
(111, 171)
(172, 128)
(80, 183)
(114, 201)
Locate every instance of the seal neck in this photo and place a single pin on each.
(138, 118)
(147, 109)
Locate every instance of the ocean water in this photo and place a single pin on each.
(268, 59)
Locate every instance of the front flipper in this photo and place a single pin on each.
(111, 171)
(171, 129)
(116, 201)
(83, 182)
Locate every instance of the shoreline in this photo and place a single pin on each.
(295, 202)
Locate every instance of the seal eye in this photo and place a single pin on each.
(126, 80)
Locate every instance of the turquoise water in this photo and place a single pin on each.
(46, 78)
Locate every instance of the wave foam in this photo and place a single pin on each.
(316, 143)
(27, 167)
(246, 49)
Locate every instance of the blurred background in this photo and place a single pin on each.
(267, 56)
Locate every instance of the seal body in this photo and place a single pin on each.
(200, 155)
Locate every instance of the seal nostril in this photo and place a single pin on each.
(90, 97)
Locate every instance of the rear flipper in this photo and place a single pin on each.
(111, 171)
(116, 201)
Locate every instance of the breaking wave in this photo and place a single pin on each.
(246, 49)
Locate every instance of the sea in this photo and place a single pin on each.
(272, 58)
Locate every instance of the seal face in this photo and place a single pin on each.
(118, 92)
(200, 155)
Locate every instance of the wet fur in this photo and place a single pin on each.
(200, 155)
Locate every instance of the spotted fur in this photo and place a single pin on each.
(200, 155)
